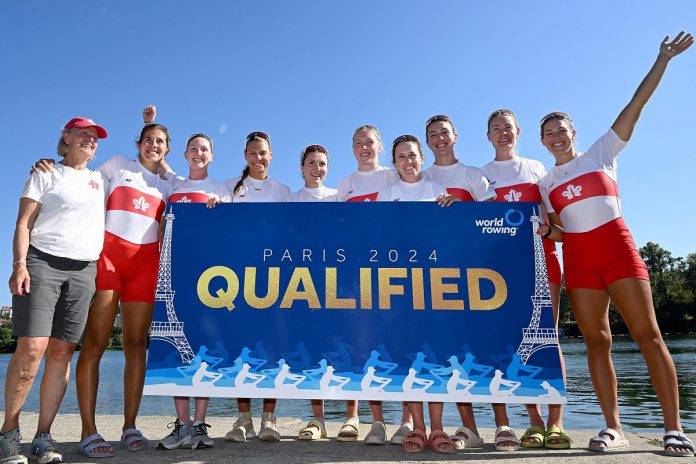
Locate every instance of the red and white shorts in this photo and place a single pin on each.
(128, 268)
(600, 257)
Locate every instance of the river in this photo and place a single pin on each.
(639, 408)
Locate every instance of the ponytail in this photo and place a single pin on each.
(240, 182)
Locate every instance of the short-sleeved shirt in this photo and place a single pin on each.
(584, 191)
(185, 190)
(307, 194)
(258, 191)
(422, 190)
(70, 222)
(466, 182)
(363, 186)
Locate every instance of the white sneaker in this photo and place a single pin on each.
(269, 431)
(242, 430)
(180, 437)
(377, 434)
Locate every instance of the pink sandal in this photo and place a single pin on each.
(441, 443)
(414, 441)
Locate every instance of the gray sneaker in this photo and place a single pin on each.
(180, 437)
(46, 449)
(242, 430)
(11, 448)
(269, 431)
(199, 436)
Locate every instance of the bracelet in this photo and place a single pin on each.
(19, 261)
(548, 234)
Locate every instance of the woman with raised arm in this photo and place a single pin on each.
(516, 179)
(57, 240)
(256, 186)
(198, 187)
(600, 260)
(407, 158)
(363, 185)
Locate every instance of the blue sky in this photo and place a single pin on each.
(311, 71)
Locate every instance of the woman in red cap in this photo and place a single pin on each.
(57, 241)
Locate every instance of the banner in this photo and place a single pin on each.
(380, 301)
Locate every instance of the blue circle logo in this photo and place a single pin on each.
(509, 214)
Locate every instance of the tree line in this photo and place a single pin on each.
(673, 282)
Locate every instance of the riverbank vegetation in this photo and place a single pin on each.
(673, 282)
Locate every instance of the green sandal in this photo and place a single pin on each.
(535, 432)
(556, 433)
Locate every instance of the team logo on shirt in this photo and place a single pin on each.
(508, 224)
(572, 191)
(141, 204)
(184, 199)
(513, 195)
(94, 184)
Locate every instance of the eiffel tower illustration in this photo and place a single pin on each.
(535, 338)
(171, 331)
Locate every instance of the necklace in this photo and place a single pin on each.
(258, 189)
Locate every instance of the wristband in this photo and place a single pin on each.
(19, 261)
(548, 234)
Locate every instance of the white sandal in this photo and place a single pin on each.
(502, 438)
(612, 440)
(464, 438)
(674, 439)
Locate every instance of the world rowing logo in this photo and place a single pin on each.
(508, 224)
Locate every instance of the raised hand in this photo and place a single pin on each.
(680, 43)
(149, 114)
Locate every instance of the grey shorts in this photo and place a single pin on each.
(61, 290)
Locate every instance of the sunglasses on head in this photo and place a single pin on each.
(554, 115)
(438, 118)
(406, 138)
(258, 134)
(313, 148)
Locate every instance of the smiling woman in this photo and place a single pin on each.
(59, 235)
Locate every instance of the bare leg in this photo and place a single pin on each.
(318, 408)
(591, 309)
(21, 372)
(54, 382)
(351, 408)
(244, 405)
(376, 410)
(416, 412)
(405, 412)
(269, 405)
(435, 411)
(633, 299)
(466, 412)
(200, 409)
(137, 317)
(182, 404)
(501, 419)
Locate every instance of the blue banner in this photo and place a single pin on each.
(379, 301)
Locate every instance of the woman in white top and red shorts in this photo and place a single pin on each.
(600, 260)
(516, 179)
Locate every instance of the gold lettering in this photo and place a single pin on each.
(386, 289)
(250, 288)
(417, 288)
(365, 288)
(332, 299)
(473, 276)
(302, 276)
(223, 299)
(438, 288)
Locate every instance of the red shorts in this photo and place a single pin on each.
(600, 257)
(553, 265)
(128, 268)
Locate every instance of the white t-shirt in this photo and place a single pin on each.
(422, 190)
(366, 185)
(70, 223)
(136, 200)
(584, 191)
(185, 190)
(466, 182)
(515, 179)
(258, 191)
(322, 193)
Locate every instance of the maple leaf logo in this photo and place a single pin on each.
(184, 199)
(141, 204)
(572, 191)
(513, 195)
(94, 184)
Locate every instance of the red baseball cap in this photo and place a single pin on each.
(83, 123)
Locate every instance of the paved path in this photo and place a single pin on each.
(645, 447)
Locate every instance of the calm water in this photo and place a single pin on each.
(639, 408)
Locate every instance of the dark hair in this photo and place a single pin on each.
(500, 112)
(405, 138)
(201, 135)
(557, 115)
(255, 136)
(312, 149)
(151, 126)
(438, 118)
